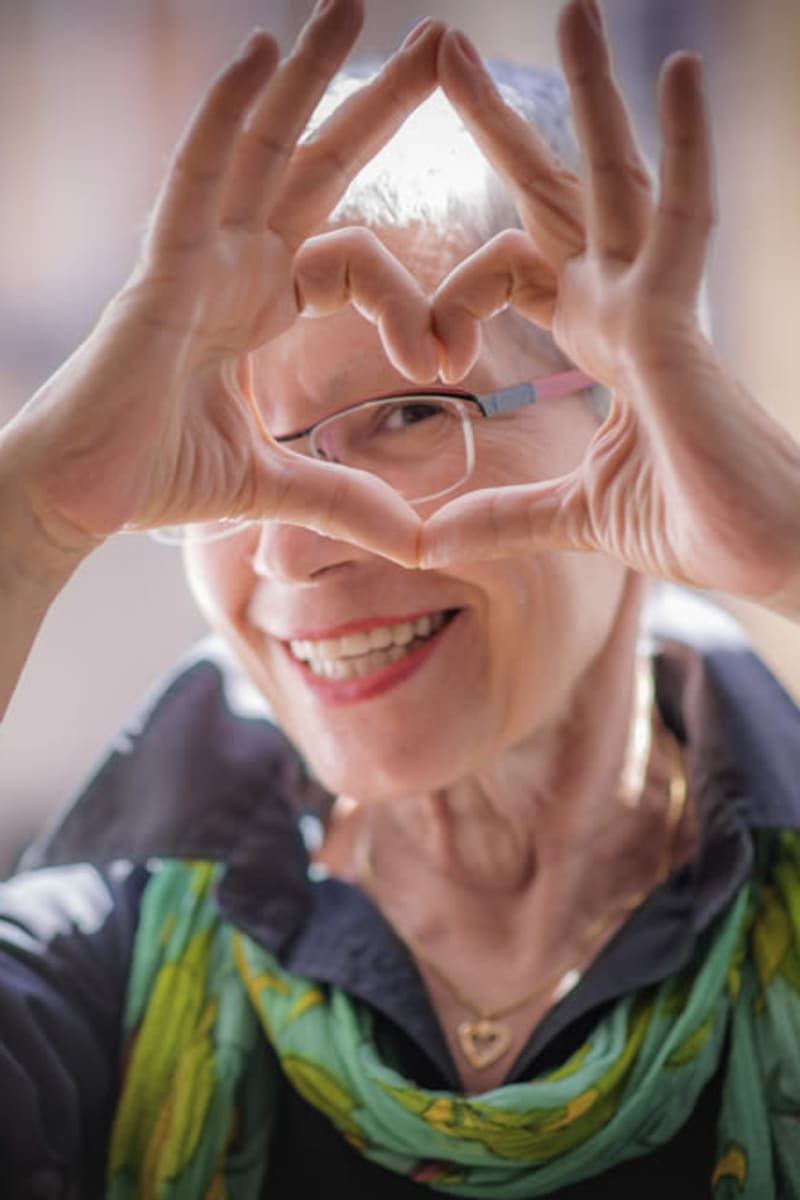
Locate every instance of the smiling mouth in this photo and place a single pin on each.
(356, 655)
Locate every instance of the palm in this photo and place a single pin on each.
(664, 485)
(175, 434)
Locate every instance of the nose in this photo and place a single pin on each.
(295, 554)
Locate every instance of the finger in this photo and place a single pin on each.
(188, 206)
(617, 180)
(283, 111)
(336, 501)
(507, 521)
(324, 165)
(547, 195)
(677, 247)
(352, 266)
(507, 271)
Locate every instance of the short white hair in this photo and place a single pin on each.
(432, 173)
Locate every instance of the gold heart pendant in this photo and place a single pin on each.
(483, 1041)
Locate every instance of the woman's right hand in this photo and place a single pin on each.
(146, 424)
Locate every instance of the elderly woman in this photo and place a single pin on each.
(540, 934)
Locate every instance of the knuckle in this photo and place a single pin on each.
(266, 143)
(513, 242)
(187, 167)
(317, 161)
(360, 242)
(700, 218)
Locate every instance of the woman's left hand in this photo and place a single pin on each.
(687, 479)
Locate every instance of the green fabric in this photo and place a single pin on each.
(200, 1083)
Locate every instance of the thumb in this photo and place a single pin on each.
(339, 502)
(507, 521)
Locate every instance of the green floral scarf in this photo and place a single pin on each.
(200, 1082)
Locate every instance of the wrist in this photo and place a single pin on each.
(39, 551)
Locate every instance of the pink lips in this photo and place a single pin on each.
(349, 691)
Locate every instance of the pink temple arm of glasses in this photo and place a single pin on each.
(562, 384)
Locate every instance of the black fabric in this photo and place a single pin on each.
(65, 943)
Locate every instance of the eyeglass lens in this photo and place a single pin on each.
(417, 444)
(420, 445)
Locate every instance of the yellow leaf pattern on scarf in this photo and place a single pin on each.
(322, 1090)
(308, 1000)
(169, 1025)
(786, 876)
(732, 1165)
(576, 1108)
(185, 1109)
(572, 1065)
(693, 1044)
(537, 1134)
(771, 936)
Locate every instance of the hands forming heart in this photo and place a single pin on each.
(147, 424)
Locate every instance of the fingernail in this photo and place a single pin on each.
(416, 33)
(249, 44)
(321, 7)
(467, 49)
(695, 63)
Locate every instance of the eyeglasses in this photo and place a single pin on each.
(421, 441)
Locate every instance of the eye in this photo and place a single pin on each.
(411, 412)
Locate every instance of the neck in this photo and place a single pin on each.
(542, 804)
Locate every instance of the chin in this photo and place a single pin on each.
(380, 773)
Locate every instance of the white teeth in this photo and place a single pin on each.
(379, 639)
(355, 643)
(327, 648)
(359, 654)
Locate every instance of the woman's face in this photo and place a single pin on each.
(448, 668)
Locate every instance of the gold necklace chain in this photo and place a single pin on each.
(485, 1040)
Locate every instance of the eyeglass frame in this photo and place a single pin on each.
(489, 404)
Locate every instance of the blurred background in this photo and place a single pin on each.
(93, 94)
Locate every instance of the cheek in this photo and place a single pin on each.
(541, 443)
(546, 618)
(221, 579)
